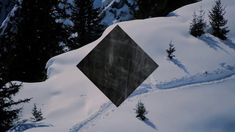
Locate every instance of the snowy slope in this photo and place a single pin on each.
(70, 102)
(195, 108)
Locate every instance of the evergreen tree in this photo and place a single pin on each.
(170, 51)
(9, 111)
(140, 111)
(217, 21)
(146, 8)
(63, 15)
(87, 23)
(37, 113)
(63, 9)
(198, 24)
(31, 38)
(154, 8)
(8, 45)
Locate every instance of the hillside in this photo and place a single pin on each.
(191, 93)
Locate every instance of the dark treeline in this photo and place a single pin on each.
(154, 8)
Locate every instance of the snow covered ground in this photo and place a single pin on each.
(197, 108)
(194, 92)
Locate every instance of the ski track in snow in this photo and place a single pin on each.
(26, 124)
(205, 78)
(224, 72)
(84, 124)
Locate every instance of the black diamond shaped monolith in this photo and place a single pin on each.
(117, 65)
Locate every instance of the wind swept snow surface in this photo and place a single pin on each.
(193, 92)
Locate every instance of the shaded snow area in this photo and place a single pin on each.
(27, 124)
(194, 92)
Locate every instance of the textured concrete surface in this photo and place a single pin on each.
(117, 65)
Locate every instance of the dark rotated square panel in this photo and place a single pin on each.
(117, 65)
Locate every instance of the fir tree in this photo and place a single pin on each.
(217, 20)
(63, 9)
(8, 106)
(146, 8)
(87, 23)
(9, 110)
(63, 16)
(31, 38)
(140, 111)
(153, 8)
(198, 24)
(37, 113)
(170, 51)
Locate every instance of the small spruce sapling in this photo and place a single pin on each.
(170, 51)
(198, 24)
(140, 111)
(37, 114)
